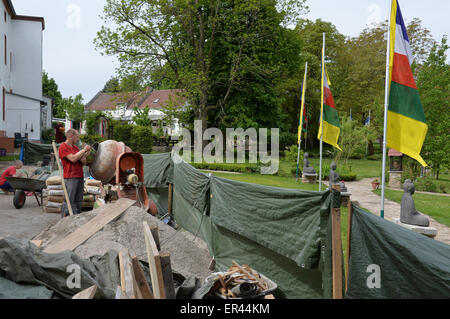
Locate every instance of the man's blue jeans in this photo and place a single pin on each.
(7, 187)
(75, 190)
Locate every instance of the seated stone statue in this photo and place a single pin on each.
(408, 213)
(306, 168)
(334, 178)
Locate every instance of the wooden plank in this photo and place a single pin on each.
(106, 214)
(154, 262)
(126, 278)
(169, 287)
(88, 293)
(119, 293)
(349, 235)
(69, 206)
(155, 233)
(336, 252)
(141, 280)
(37, 243)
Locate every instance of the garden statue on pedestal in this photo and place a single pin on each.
(306, 168)
(334, 178)
(408, 213)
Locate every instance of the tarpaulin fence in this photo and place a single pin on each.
(284, 234)
(388, 261)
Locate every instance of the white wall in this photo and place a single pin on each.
(25, 42)
(5, 75)
(22, 116)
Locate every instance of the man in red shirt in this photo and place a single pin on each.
(10, 171)
(73, 160)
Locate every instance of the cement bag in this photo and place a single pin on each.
(52, 210)
(56, 199)
(55, 187)
(93, 182)
(56, 192)
(93, 190)
(54, 204)
(54, 180)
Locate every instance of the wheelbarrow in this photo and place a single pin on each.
(22, 185)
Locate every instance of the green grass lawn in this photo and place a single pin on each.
(9, 158)
(435, 206)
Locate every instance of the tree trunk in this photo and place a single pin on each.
(371, 149)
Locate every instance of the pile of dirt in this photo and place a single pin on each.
(189, 256)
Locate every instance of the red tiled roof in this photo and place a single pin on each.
(107, 101)
(393, 152)
(160, 98)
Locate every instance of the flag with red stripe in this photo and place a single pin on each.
(406, 122)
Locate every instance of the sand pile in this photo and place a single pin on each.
(189, 257)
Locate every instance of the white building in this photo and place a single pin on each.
(21, 57)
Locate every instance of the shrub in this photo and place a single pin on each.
(91, 139)
(292, 153)
(426, 184)
(229, 167)
(48, 135)
(141, 139)
(348, 177)
(122, 133)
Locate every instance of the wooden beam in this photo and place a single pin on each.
(126, 277)
(88, 293)
(154, 262)
(69, 206)
(119, 293)
(336, 252)
(166, 268)
(155, 233)
(349, 235)
(141, 280)
(105, 215)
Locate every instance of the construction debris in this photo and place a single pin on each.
(240, 282)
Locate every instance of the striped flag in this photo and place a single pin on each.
(406, 122)
(302, 110)
(330, 120)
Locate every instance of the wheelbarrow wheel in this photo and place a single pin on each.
(19, 199)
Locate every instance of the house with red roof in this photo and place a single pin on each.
(120, 106)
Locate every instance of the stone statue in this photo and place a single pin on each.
(306, 168)
(408, 213)
(334, 178)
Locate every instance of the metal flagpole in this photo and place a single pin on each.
(301, 119)
(321, 114)
(386, 104)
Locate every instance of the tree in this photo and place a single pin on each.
(50, 89)
(311, 33)
(73, 107)
(433, 83)
(141, 116)
(208, 49)
(112, 86)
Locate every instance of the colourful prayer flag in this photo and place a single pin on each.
(330, 120)
(406, 122)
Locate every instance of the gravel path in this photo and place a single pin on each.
(362, 193)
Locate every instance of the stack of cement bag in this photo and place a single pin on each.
(55, 195)
(92, 188)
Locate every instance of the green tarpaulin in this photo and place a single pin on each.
(393, 262)
(285, 234)
(33, 152)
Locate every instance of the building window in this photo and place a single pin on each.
(4, 104)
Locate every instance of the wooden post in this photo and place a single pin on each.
(337, 252)
(155, 233)
(167, 276)
(349, 234)
(169, 205)
(61, 173)
(154, 262)
(140, 279)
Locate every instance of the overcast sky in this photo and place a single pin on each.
(71, 25)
